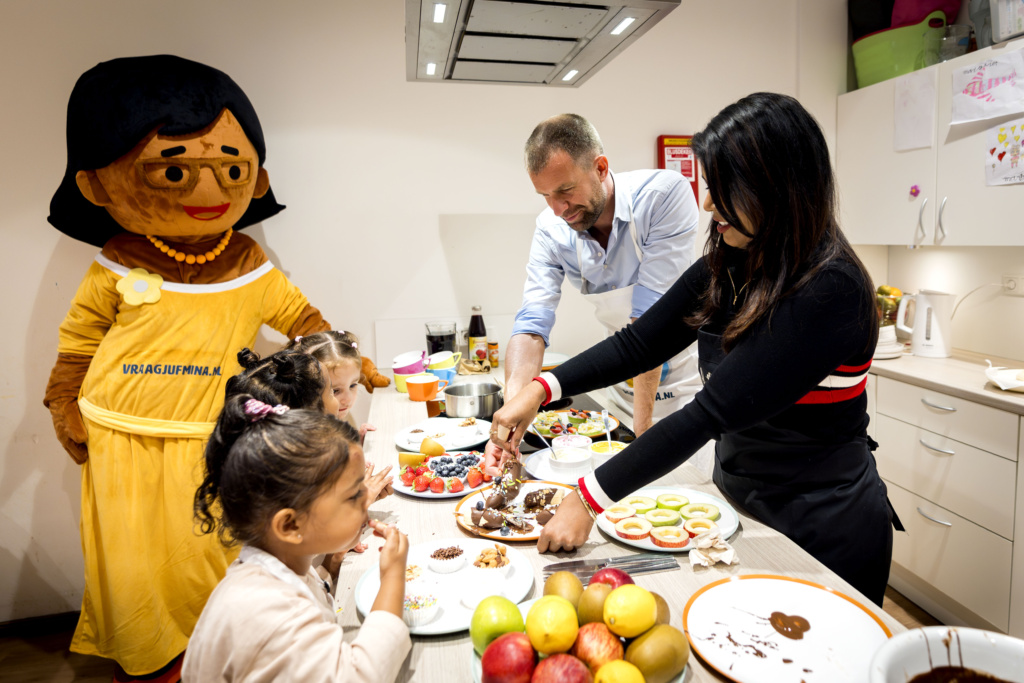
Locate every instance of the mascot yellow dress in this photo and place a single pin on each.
(165, 163)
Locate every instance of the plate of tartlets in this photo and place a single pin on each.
(667, 518)
(512, 508)
(553, 423)
(446, 579)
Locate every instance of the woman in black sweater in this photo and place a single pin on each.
(784, 317)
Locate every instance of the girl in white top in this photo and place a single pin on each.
(289, 485)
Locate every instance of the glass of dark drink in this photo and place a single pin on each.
(440, 337)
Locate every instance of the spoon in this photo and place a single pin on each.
(607, 430)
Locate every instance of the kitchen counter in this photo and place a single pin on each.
(761, 550)
(962, 375)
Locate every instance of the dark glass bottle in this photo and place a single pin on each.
(477, 336)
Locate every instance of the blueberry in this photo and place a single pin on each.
(479, 505)
(505, 531)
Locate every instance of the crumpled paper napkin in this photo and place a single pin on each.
(1007, 379)
(473, 367)
(709, 548)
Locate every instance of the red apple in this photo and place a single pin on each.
(508, 659)
(596, 645)
(612, 576)
(561, 669)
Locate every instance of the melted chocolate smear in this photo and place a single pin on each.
(787, 661)
(792, 627)
(955, 674)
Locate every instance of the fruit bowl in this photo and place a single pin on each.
(919, 650)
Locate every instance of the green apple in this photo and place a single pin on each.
(493, 617)
(700, 510)
(662, 517)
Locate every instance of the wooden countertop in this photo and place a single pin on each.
(962, 375)
(443, 659)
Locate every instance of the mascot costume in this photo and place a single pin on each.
(165, 164)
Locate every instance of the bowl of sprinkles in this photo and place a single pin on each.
(419, 609)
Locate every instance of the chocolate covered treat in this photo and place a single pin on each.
(495, 501)
(544, 516)
(538, 499)
(511, 480)
(487, 518)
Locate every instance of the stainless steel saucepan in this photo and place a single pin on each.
(473, 399)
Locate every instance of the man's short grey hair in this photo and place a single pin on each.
(570, 133)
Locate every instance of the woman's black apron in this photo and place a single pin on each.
(827, 498)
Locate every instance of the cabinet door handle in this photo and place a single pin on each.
(942, 207)
(937, 450)
(937, 521)
(920, 219)
(932, 405)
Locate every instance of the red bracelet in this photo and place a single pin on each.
(547, 390)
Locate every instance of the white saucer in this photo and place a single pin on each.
(539, 465)
(884, 353)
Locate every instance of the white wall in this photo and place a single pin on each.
(366, 162)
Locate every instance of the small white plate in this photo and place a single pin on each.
(552, 359)
(449, 589)
(398, 486)
(886, 354)
(728, 521)
(446, 431)
(524, 608)
(728, 624)
(538, 464)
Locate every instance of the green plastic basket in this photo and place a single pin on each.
(898, 51)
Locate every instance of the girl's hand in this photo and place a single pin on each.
(511, 422)
(395, 550)
(568, 529)
(363, 428)
(495, 458)
(332, 563)
(378, 485)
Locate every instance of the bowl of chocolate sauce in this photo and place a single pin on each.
(949, 654)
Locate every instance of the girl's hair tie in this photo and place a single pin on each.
(257, 410)
(298, 339)
(353, 344)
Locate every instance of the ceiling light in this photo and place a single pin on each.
(439, 8)
(623, 25)
(431, 68)
(571, 75)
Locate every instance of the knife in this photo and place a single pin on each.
(605, 562)
(636, 564)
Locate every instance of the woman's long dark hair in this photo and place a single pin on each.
(765, 157)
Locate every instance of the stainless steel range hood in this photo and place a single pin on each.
(531, 42)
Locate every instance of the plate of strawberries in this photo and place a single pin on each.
(451, 475)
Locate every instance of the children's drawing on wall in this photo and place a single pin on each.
(1003, 153)
(994, 87)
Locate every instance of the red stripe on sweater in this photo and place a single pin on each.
(590, 499)
(834, 395)
(854, 368)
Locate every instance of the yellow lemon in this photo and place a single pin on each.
(551, 625)
(411, 459)
(619, 671)
(431, 447)
(630, 610)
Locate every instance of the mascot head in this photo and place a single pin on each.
(160, 146)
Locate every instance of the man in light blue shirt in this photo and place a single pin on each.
(622, 239)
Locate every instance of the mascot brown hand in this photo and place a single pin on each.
(165, 166)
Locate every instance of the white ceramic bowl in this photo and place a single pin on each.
(569, 459)
(603, 451)
(571, 441)
(919, 650)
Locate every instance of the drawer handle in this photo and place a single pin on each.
(937, 521)
(937, 450)
(948, 409)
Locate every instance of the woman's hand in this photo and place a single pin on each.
(495, 458)
(378, 486)
(510, 423)
(568, 529)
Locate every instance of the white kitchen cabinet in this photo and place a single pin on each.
(951, 467)
(954, 206)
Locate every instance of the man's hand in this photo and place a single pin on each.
(568, 529)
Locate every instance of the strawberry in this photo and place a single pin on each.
(422, 469)
(437, 485)
(422, 482)
(488, 478)
(475, 477)
(455, 485)
(408, 476)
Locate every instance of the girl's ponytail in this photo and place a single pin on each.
(230, 425)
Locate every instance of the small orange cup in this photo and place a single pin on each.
(424, 387)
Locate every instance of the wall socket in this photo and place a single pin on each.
(1013, 285)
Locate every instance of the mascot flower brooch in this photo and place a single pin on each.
(140, 287)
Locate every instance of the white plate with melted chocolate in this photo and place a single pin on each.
(759, 628)
(519, 518)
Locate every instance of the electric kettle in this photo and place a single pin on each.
(931, 335)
